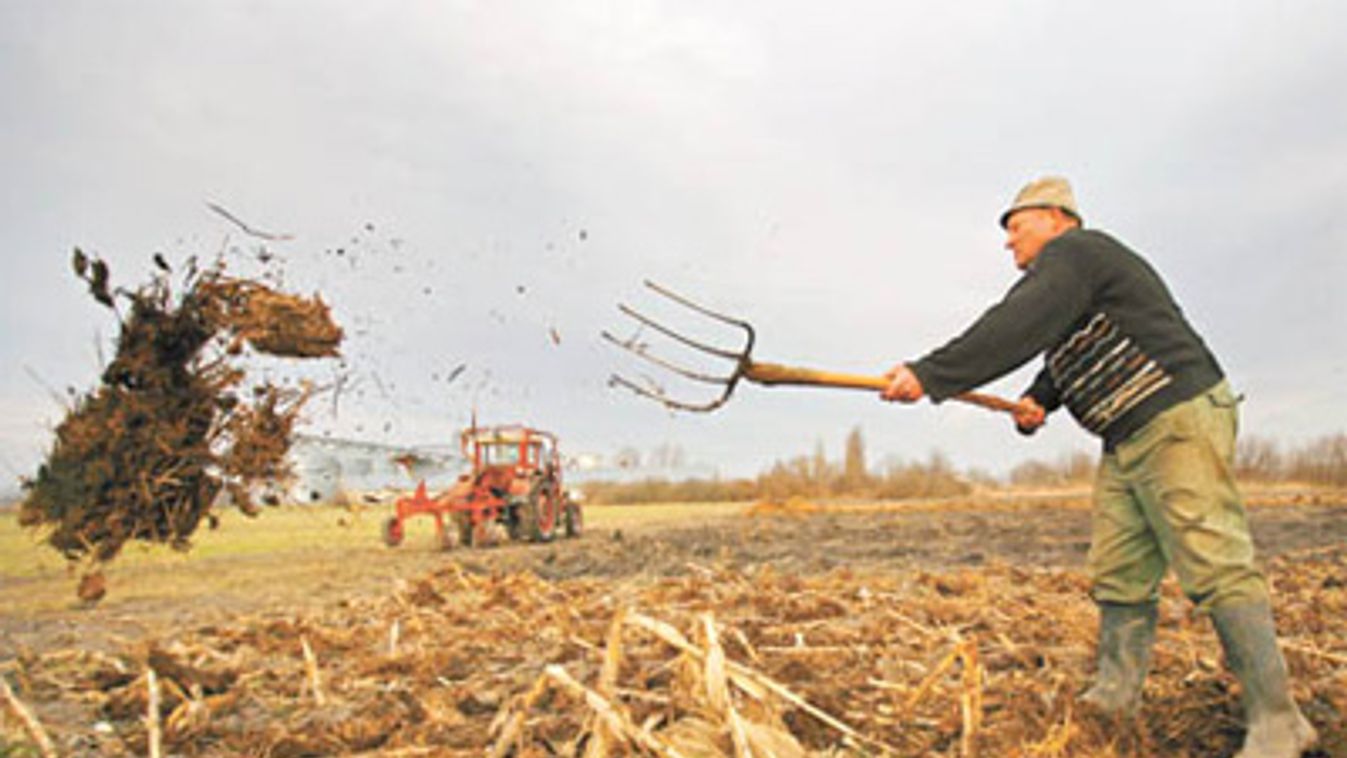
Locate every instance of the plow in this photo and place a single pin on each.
(739, 359)
(514, 485)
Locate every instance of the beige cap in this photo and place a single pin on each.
(1044, 192)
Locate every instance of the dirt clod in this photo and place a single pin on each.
(172, 423)
(92, 587)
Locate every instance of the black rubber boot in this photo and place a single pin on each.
(1126, 634)
(1276, 728)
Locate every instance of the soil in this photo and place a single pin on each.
(929, 536)
(1048, 533)
(418, 652)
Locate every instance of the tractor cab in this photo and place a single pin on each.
(515, 447)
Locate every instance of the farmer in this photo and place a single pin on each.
(1121, 357)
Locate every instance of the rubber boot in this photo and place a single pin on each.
(1276, 728)
(1126, 635)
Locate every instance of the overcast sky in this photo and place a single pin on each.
(479, 184)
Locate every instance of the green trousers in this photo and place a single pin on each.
(1166, 496)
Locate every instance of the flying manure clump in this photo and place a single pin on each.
(172, 423)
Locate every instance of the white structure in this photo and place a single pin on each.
(326, 468)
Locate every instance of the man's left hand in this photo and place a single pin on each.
(904, 386)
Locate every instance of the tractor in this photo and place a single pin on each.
(515, 485)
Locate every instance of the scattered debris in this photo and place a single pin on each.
(92, 587)
(972, 661)
(247, 229)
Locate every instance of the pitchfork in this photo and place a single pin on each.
(744, 365)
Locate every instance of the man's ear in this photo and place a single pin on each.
(1065, 219)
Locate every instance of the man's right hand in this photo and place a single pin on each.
(1029, 415)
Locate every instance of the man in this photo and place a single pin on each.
(1120, 355)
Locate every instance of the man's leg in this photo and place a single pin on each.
(1126, 566)
(1190, 497)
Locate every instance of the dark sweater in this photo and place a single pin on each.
(1117, 348)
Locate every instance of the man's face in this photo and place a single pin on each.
(1028, 230)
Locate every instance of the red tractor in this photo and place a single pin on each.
(515, 484)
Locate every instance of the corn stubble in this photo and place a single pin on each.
(983, 661)
(173, 422)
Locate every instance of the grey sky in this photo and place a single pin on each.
(832, 175)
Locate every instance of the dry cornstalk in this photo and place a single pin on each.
(752, 681)
(1057, 739)
(1315, 652)
(602, 737)
(748, 647)
(738, 733)
(616, 718)
(713, 672)
(612, 655)
(510, 719)
(29, 721)
(930, 679)
(152, 713)
(970, 701)
(311, 666)
(718, 687)
(808, 649)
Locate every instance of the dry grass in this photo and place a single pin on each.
(289, 555)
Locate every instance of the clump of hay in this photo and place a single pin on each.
(172, 424)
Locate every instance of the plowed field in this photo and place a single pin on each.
(935, 628)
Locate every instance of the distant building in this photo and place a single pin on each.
(327, 469)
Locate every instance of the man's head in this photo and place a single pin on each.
(1041, 211)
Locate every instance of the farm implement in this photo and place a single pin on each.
(514, 485)
(739, 358)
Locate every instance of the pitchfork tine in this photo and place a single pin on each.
(740, 357)
(662, 363)
(746, 368)
(660, 397)
(677, 298)
(667, 332)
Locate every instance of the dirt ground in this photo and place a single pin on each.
(929, 537)
(421, 652)
(802, 539)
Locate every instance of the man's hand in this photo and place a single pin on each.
(1029, 415)
(904, 386)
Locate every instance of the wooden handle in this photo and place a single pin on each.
(775, 373)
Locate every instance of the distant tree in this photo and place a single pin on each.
(855, 476)
(1258, 459)
(1078, 467)
(981, 478)
(627, 458)
(1035, 473)
(935, 478)
(819, 471)
(1323, 461)
(666, 456)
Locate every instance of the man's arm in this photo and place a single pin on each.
(1042, 306)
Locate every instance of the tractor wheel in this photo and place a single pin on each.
(448, 535)
(538, 515)
(462, 524)
(393, 532)
(513, 517)
(575, 520)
